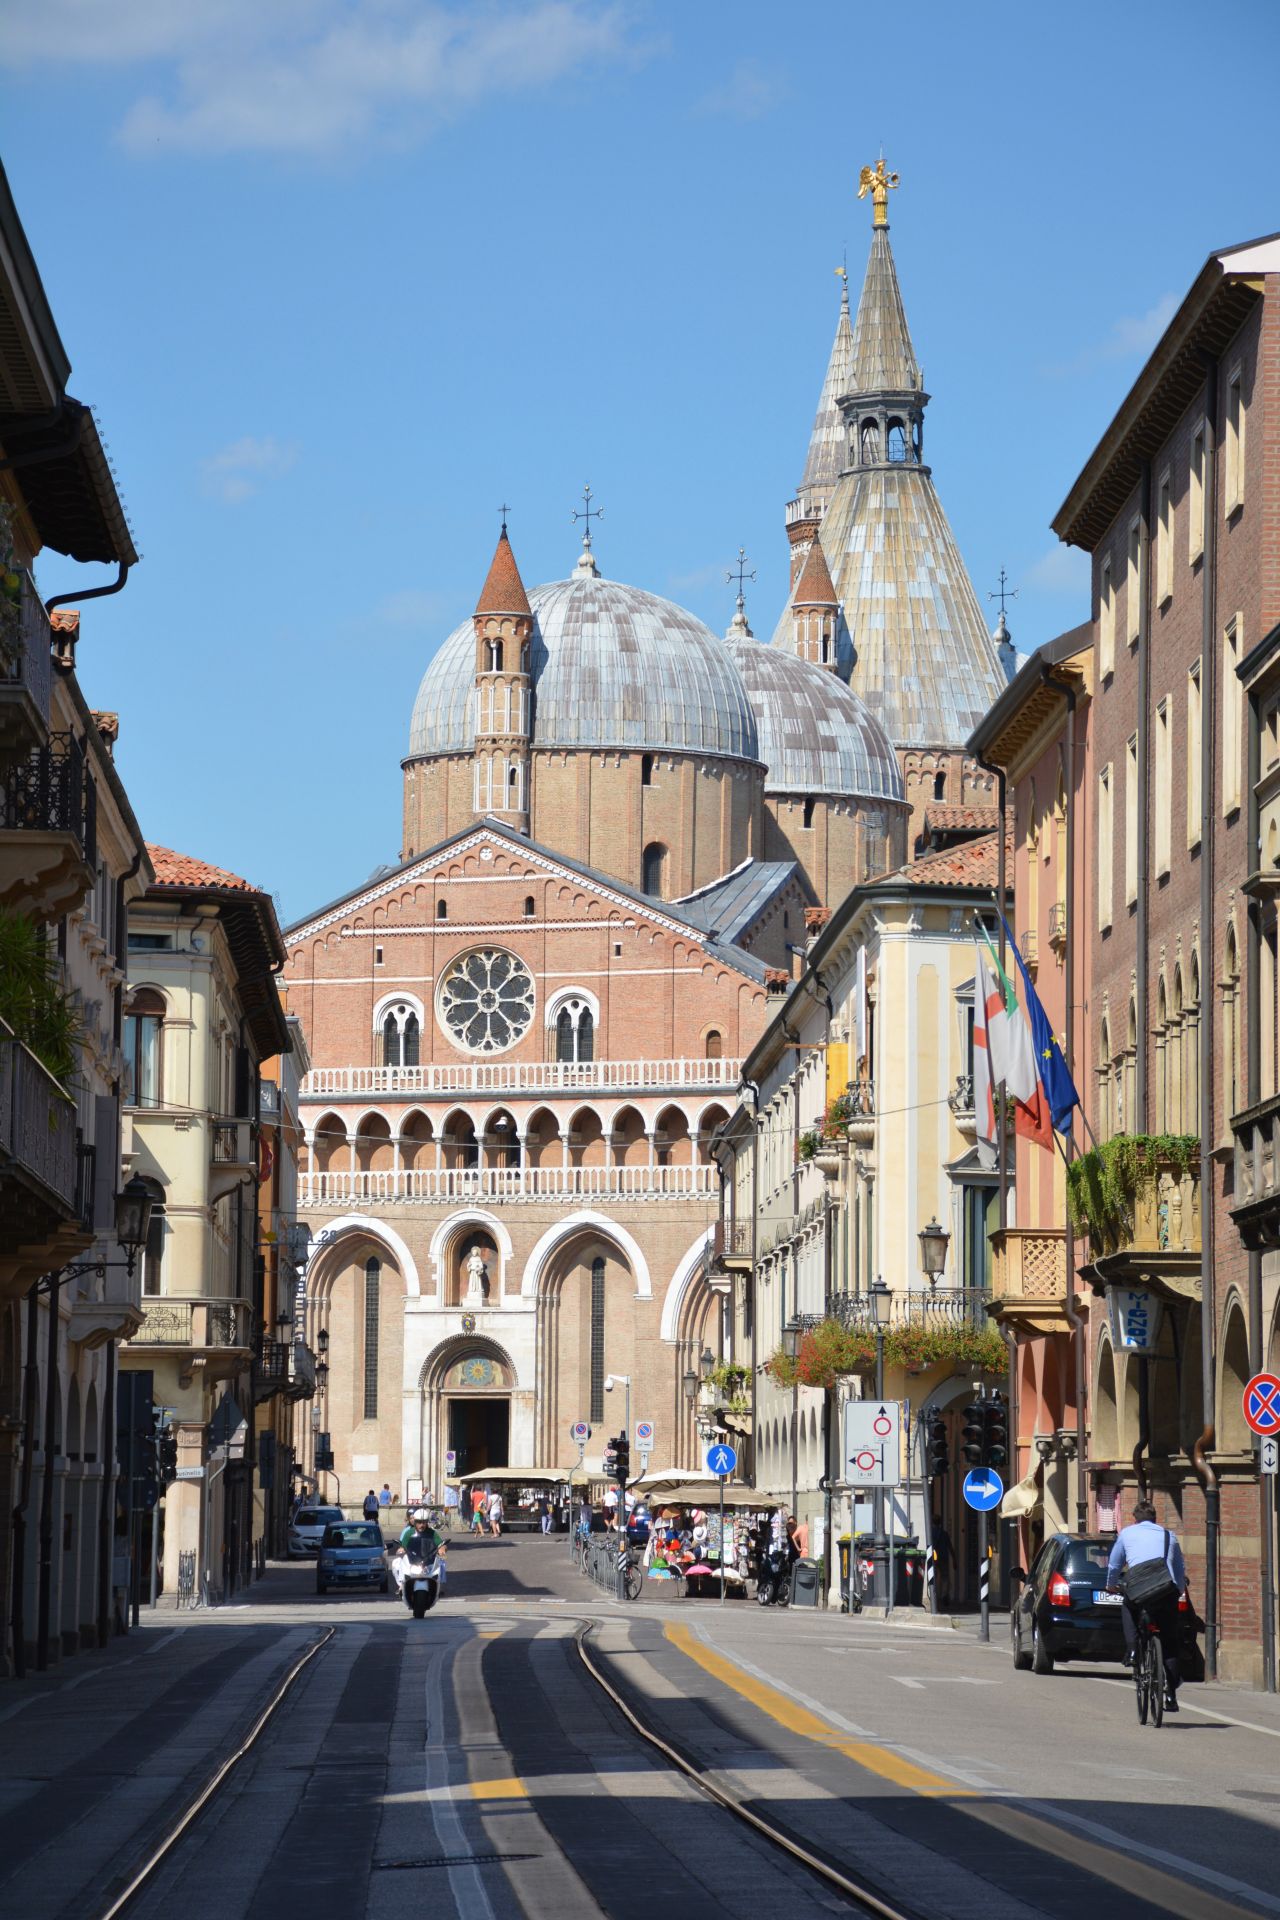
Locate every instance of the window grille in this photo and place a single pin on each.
(372, 1290)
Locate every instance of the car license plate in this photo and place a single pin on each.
(1107, 1599)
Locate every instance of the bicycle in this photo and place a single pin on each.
(1148, 1672)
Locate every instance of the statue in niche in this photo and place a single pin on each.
(477, 1271)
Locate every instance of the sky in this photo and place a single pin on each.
(343, 276)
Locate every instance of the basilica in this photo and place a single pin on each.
(620, 831)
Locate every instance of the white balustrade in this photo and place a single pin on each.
(436, 1185)
(512, 1077)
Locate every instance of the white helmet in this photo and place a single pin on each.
(419, 1513)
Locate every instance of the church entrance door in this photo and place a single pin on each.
(479, 1432)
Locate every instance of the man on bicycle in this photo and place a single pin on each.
(1144, 1540)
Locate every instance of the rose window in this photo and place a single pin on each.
(486, 1000)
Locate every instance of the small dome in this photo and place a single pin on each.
(815, 734)
(612, 666)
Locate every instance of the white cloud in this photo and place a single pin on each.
(1131, 337)
(239, 469)
(748, 93)
(1062, 569)
(314, 77)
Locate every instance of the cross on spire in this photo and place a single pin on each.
(741, 573)
(588, 513)
(504, 510)
(1004, 591)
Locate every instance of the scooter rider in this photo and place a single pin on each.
(420, 1538)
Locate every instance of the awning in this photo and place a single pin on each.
(1021, 1501)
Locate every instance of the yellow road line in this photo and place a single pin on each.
(509, 1789)
(797, 1719)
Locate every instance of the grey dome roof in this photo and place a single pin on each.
(612, 666)
(816, 735)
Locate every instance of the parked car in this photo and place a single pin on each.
(306, 1529)
(1064, 1611)
(352, 1554)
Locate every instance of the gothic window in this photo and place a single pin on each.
(372, 1290)
(655, 869)
(486, 1000)
(143, 1026)
(575, 1032)
(401, 1037)
(597, 1339)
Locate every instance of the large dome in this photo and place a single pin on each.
(815, 734)
(612, 666)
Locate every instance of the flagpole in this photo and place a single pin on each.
(1002, 1170)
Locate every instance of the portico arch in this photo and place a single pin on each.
(466, 1390)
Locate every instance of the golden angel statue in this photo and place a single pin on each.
(877, 181)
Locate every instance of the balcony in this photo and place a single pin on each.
(270, 1369)
(232, 1156)
(269, 1103)
(1029, 1278)
(1256, 1211)
(212, 1336)
(48, 830)
(438, 1186)
(524, 1076)
(302, 1373)
(1029, 944)
(40, 1197)
(918, 1307)
(1154, 1240)
(1058, 927)
(731, 1246)
(26, 678)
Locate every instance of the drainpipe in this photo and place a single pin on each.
(1253, 974)
(1208, 1307)
(1002, 907)
(44, 1585)
(30, 1391)
(89, 593)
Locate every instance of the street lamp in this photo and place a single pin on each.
(133, 1219)
(934, 1241)
(881, 1298)
(690, 1385)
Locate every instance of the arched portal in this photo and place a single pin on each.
(466, 1392)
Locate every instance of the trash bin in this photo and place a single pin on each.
(908, 1569)
(805, 1576)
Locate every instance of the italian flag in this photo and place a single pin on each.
(1003, 1051)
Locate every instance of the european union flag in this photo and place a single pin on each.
(1055, 1075)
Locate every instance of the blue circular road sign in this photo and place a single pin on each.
(721, 1461)
(983, 1489)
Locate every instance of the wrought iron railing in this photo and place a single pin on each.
(52, 791)
(193, 1323)
(731, 1240)
(229, 1143)
(270, 1368)
(26, 664)
(37, 1122)
(917, 1307)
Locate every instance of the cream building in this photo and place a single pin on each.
(857, 1132)
(203, 1012)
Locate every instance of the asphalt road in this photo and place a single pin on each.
(470, 1765)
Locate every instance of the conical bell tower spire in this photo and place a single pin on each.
(815, 610)
(503, 622)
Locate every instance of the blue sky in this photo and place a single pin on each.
(341, 276)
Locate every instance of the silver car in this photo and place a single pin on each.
(306, 1529)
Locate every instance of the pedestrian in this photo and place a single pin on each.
(944, 1560)
(495, 1513)
(798, 1538)
(384, 1498)
(371, 1507)
(479, 1501)
(544, 1512)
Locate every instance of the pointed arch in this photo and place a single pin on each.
(328, 1243)
(458, 1223)
(688, 1270)
(567, 1229)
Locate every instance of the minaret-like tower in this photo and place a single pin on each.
(503, 621)
(815, 611)
(826, 456)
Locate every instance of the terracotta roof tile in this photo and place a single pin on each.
(941, 818)
(503, 591)
(971, 863)
(181, 870)
(814, 588)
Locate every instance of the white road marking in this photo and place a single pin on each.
(1125, 1843)
(904, 1681)
(1185, 1706)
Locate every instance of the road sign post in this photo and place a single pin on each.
(1262, 1404)
(983, 1491)
(721, 1461)
(873, 1459)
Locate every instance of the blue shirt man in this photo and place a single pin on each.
(1135, 1545)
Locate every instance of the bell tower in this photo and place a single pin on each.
(815, 611)
(503, 622)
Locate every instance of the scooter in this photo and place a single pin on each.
(422, 1584)
(773, 1582)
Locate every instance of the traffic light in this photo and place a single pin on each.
(937, 1453)
(622, 1463)
(973, 1434)
(146, 1471)
(610, 1462)
(324, 1453)
(996, 1451)
(167, 1455)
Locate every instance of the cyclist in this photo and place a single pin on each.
(1137, 1544)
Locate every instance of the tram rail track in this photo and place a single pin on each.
(866, 1899)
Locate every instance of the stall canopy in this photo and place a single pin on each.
(706, 1493)
(515, 1477)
